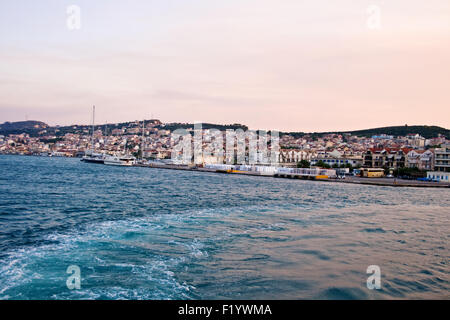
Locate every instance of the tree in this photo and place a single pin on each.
(409, 172)
(303, 164)
(322, 164)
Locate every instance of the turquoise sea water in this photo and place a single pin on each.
(140, 233)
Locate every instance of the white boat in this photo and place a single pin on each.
(119, 160)
(90, 156)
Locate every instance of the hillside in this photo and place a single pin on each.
(22, 127)
(34, 127)
(424, 131)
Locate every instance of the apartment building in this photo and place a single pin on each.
(416, 140)
(420, 159)
(385, 157)
(442, 158)
(293, 156)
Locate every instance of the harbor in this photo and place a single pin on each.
(316, 174)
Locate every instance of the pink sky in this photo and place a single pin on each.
(290, 65)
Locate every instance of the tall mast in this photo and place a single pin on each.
(93, 128)
(143, 137)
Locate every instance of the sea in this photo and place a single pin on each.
(74, 230)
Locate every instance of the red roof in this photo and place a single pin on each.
(390, 150)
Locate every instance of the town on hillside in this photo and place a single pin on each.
(408, 156)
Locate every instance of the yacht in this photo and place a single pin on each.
(119, 160)
(90, 156)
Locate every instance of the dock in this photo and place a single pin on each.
(304, 175)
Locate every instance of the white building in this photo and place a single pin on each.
(439, 176)
(295, 156)
(338, 158)
(421, 159)
(442, 158)
(416, 140)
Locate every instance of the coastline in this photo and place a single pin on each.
(387, 182)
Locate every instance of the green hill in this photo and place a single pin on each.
(22, 127)
(34, 127)
(424, 131)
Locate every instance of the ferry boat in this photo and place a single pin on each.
(120, 160)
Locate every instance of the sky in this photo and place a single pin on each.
(291, 65)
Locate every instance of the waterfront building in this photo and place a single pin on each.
(317, 173)
(442, 158)
(439, 176)
(336, 158)
(420, 159)
(385, 157)
(293, 156)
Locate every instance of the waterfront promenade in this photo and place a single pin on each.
(392, 182)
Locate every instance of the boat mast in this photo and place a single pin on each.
(93, 128)
(143, 137)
